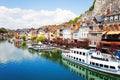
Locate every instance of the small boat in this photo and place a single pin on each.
(94, 59)
(41, 47)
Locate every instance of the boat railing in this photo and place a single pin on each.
(65, 51)
(103, 59)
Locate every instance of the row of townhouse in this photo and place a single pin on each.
(100, 29)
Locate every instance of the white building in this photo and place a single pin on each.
(67, 33)
(76, 35)
(83, 31)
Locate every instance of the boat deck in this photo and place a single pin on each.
(110, 58)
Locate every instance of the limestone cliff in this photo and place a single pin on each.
(101, 6)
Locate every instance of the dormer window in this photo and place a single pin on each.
(116, 18)
(111, 18)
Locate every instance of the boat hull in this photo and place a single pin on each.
(112, 72)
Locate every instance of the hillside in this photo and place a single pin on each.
(99, 7)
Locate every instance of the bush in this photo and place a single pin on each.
(24, 37)
(40, 39)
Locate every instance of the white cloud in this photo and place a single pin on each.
(14, 18)
(13, 55)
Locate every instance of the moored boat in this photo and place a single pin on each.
(41, 47)
(94, 59)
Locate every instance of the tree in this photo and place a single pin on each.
(3, 30)
(112, 49)
(99, 47)
(33, 38)
(24, 37)
(40, 38)
(86, 43)
(92, 7)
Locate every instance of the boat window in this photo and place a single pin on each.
(74, 51)
(93, 63)
(101, 65)
(76, 58)
(79, 59)
(97, 64)
(83, 60)
(112, 67)
(80, 53)
(118, 67)
(90, 62)
(83, 53)
(106, 66)
(77, 52)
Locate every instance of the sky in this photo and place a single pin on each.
(17, 14)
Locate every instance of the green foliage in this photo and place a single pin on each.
(3, 30)
(52, 55)
(75, 20)
(24, 37)
(40, 38)
(24, 45)
(10, 35)
(33, 38)
(71, 21)
(92, 7)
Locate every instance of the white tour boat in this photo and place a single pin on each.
(94, 59)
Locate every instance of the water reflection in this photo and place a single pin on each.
(9, 53)
(54, 56)
(20, 44)
(87, 73)
(19, 52)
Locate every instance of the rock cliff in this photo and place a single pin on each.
(101, 6)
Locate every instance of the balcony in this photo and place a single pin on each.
(95, 32)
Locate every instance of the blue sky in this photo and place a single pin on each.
(76, 6)
(58, 9)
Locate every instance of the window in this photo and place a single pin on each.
(119, 17)
(90, 62)
(77, 52)
(105, 66)
(111, 18)
(83, 60)
(80, 53)
(118, 67)
(74, 51)
(116, 17)
(112, 67)
(76, 58)
(93, 63)
(97, 64)
(83, 53)
(79, 59)
(101, 65)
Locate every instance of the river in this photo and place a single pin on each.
(19, 63)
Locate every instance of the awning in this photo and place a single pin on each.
(113, 32)
(104, 32)
(106, 42)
